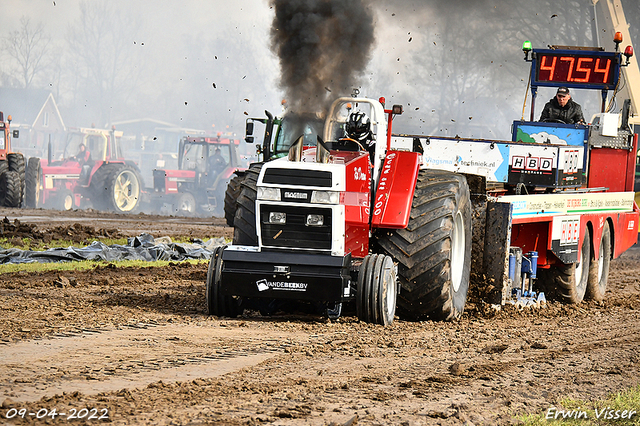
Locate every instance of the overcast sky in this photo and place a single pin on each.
(405, 33)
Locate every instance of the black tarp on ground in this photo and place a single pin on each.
(143, 247)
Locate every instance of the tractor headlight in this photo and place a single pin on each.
(315, 220)
(266, 193)
(325, 197)
(277, 217)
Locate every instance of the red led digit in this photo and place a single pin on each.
(551, 68)
(587, 71)
(571, 60)
(605, 71)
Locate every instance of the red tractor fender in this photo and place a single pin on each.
(394, 194)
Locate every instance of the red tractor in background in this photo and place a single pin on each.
(205, 166)
(12, 166)
(99, 176)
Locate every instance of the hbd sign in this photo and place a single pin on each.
(531, 164)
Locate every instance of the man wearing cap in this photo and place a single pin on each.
(562, 108)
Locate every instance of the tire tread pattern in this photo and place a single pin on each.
(422, 249)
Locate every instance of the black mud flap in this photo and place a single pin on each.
(277, 275)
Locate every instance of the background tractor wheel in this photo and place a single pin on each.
(185, 205)
(244, 232)
(434, 251)
(64, 200)
(568, 283)
(599, 268)
(377, 290)
(10, 189)
(33, 184)
(123, 187)
(231, 195)
(219, 304)
(16, 164)
(98, 186)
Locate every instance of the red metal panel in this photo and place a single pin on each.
(184, 174)
(356, 200)
(533, 237)
(612, 168)
(625, 232)
(397, 183)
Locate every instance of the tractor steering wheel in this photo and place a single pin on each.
(554, 120)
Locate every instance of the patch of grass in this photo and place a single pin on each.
(29, 244)
(592, 413)
(86, 264)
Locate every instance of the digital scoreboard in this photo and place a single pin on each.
(576, 69)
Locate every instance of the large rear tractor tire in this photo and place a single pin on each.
(599, 268)
(434, 251)
(218, 304)
(10, 189)
(231, 195)
(245, 219)
(123, 188)
(16, 164)
(377, 290)
(33, 184)
(568, 283)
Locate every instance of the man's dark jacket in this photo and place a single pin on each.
(570, 113)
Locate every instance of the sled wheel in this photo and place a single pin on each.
(245, 220)
(33, 184)
(186, 205)
(10, 189)
(599, 269)
(569, 282)
(434, 251)
(231, 195)
(218, 304)
(377, 290)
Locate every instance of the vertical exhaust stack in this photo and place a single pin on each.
(323, 47)
(295, 151)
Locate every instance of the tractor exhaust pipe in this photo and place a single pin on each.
(295, 151)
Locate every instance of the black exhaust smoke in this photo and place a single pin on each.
(323, 47)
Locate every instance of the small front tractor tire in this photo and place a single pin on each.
(185, 205)
(64, 200)
(377, 290)
(218, 304)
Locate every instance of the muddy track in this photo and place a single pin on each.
(137, 343)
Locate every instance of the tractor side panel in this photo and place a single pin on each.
(392, 204)
(356, 200)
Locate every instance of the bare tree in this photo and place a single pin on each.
(27, 47)
(105, 68)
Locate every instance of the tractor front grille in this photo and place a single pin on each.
(295, 233)
(297, 177)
